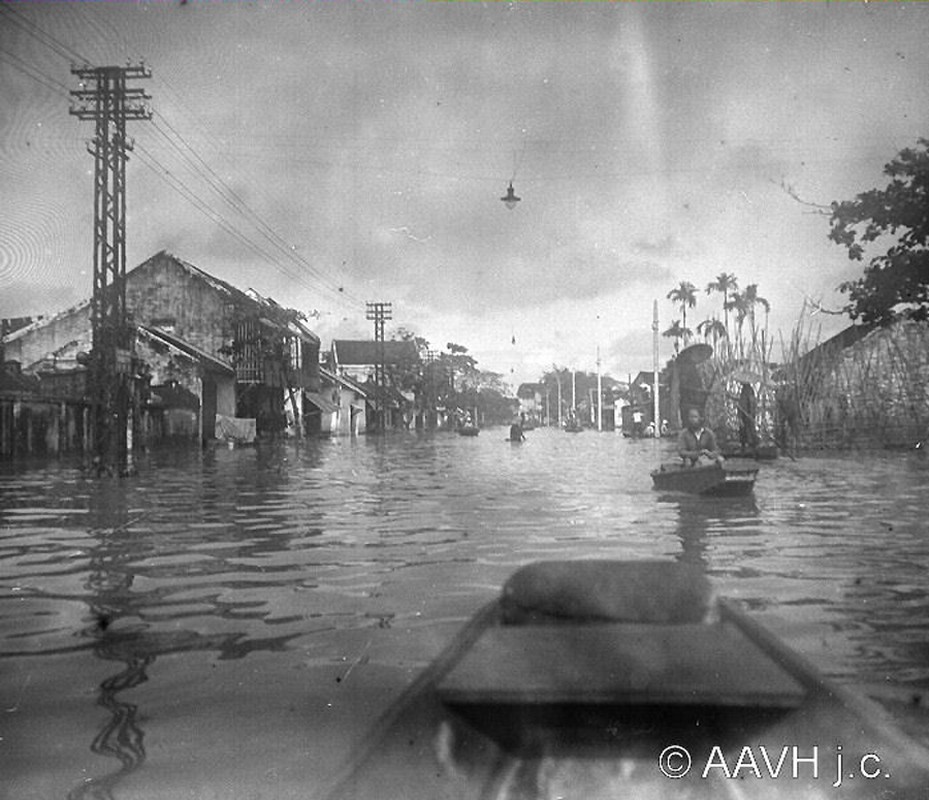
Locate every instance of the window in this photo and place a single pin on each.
(247, 346)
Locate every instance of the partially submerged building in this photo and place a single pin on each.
(639, 414)
(341, 406)
(357, 360)
(210, 360)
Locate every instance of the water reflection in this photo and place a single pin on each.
(121, 737)
(122, 620)
(109, 588)
(699, 518)
(323, 566)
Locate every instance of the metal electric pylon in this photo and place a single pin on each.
(431, 400)
(105, 98)
(379, 312)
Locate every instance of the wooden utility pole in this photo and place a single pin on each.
(105, 98)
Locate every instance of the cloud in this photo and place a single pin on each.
(635, 347)
(377, 139)
(26, 298)
(663, 247)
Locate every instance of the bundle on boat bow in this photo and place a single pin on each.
(577, 679)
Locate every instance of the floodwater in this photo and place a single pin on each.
(228, 624)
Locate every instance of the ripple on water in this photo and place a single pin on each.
(231, 584)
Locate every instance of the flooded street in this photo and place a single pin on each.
(228, 624)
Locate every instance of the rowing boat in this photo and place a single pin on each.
(728, 478)
(609, 679)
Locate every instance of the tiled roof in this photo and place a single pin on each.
(354, 352)
(42, 322)
(249, 296)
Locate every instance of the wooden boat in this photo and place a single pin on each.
(468, 430)
(607, 679)
(729, 478)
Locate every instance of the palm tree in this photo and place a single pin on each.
(752, 299)
(712, 328)
(725, 284)
(685, 294)
(677, 332)
(741, 306)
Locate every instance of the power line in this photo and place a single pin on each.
(218, 219)
(174, 183)
(227, 194)
(34, 72)
(326, 284)
(112, 34)
(177, 185)
(37, 33)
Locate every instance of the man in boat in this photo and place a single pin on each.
(697, 444)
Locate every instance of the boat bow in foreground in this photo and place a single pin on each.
(604, 679)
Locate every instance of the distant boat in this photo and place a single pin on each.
(468, 430)
(714, 479)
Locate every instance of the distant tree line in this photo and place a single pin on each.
(451, 379)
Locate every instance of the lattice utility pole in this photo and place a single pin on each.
(431, 420)
(105, 99)
(379, 312)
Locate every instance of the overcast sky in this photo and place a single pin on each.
(329, 154)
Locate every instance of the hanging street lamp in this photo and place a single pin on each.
(510, 198)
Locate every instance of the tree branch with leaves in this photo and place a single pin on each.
(895, 283)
